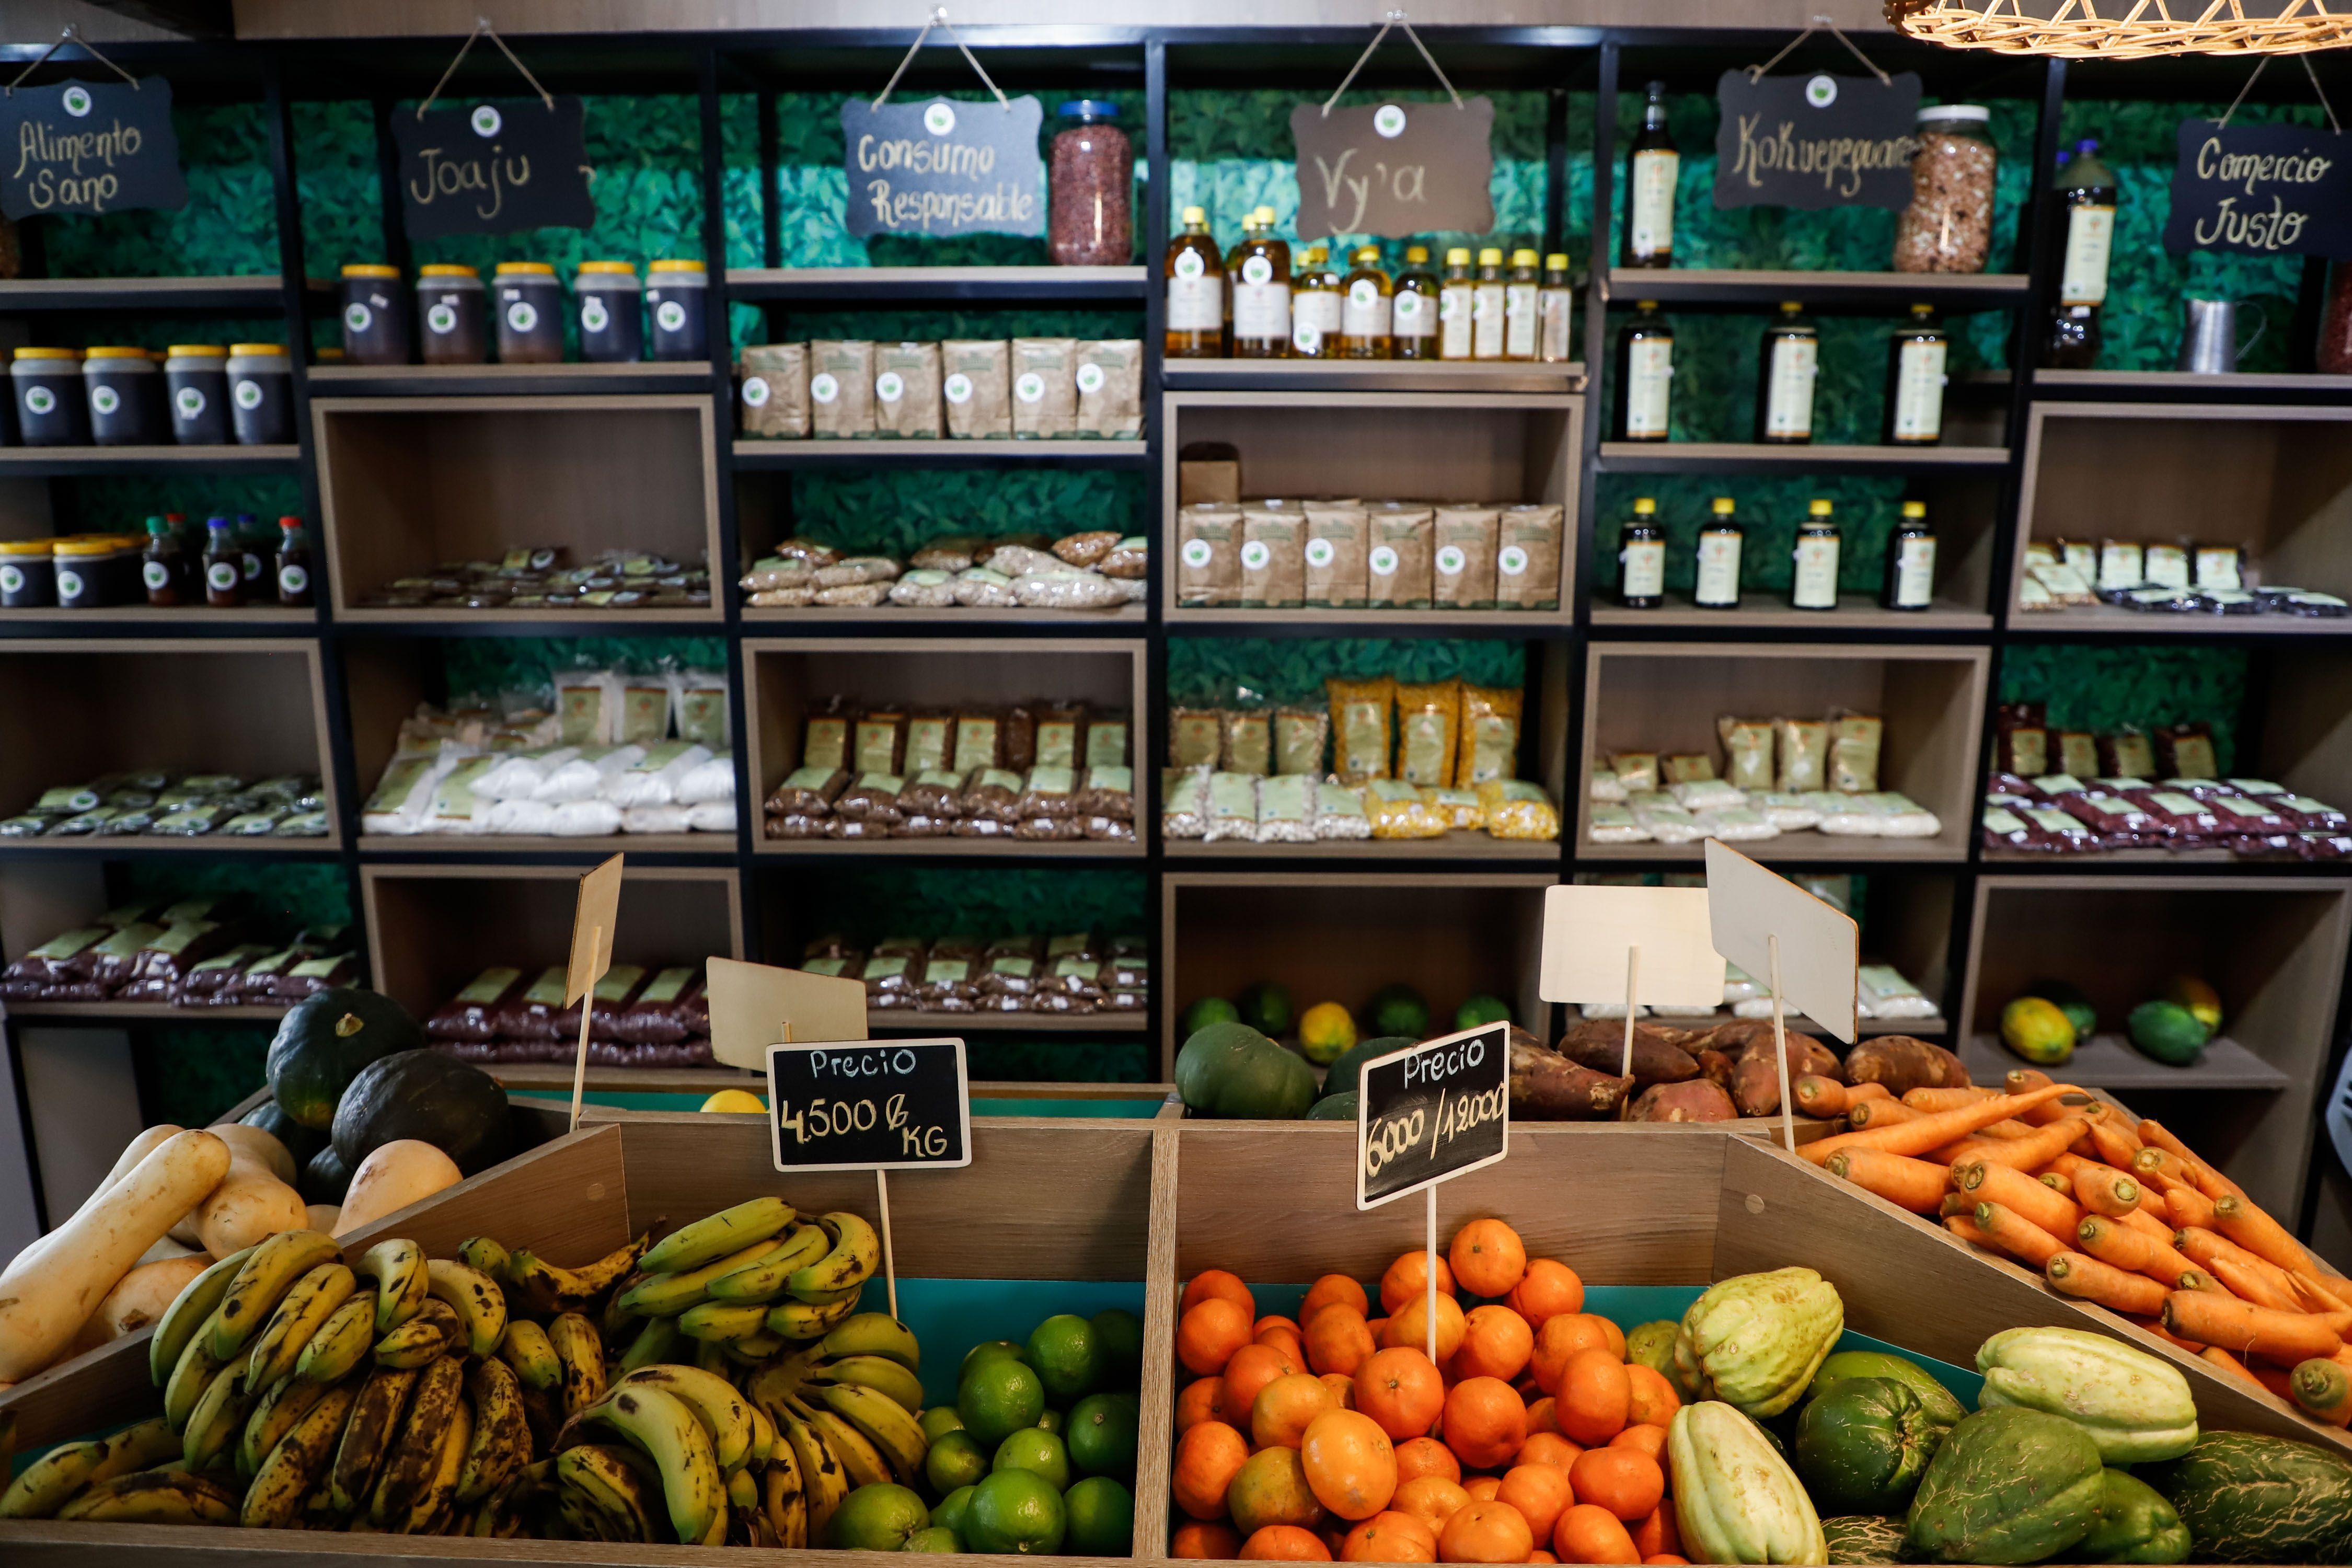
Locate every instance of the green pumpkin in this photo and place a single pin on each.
(2135, 1524)
(300, 1141)
(325, 1041)
(456, 1108)
(2008, 1485)
(1933, 1396)
(1231, 1070)
(325, 1179)
(1345, 1074)
(2169, 1032)
(1861, 1447)
(1334, 1108)
(1866, 1538)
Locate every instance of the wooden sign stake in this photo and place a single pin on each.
(1780, 1053)
(580, 1063)
(1633, 966)
(889, 1266)
(595, 912)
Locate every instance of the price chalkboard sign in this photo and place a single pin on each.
(869, 1105)
(1815, 142)
(1395, 168)
(494, 167)
(944, 167)
(90, 147)
(1431, 1111)
(2261, 190)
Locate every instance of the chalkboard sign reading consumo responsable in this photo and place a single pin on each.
(1815, 142)
(494, 167)
(90, 147)
(947, 166)
(2261, 190)
(861, 1105)
(1433, 1111)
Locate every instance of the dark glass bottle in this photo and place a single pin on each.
(1914, 381)
(1786, 369)
(256, 539)
(1714, 582)
(1645, 369)
(1910, 560)
(162, 567)
(223, 566)
(2086, 205)
(294, 589)
(1642, 559)
(1652, 170)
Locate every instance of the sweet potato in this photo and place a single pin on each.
(1742, 1036)
(1548, 1087)
(1755, 1083)
(1904, 1063)
(1699, 1100)
(1714, 1067)
(1599, 1044)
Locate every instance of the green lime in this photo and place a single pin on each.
(1015, 1510)
(986, 1348)
(954, 1460)
(1102, 1433)
(940, 1420)
(1102, 1517)
(1265, 1007)
(1068, 1356)
(949, 1514)
(932, 1538)
(998, 1397)
(877, 1518)
(1121, 1335)
(1035, 1449)
(1208, 1010)
(1053, 1421)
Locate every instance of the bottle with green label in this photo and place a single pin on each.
(1914, 381)
(1716, 580)
(1195, 277)
(1641, 558)
(223, 566)
(1813, 585)
(1456, 303)
(1910, 560)
(1488, 297)
(2086, 199)
(1259, 271)
(164, 567)
(1786, 368)
(1521, 295)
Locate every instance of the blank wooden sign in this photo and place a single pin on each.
(594, 913)
(1588, 932)
(1820, 948)
(751, 1004)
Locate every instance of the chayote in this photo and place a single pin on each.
(1756, 1339)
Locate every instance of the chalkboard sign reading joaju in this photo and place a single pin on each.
(944, 167)
(90, 147)
(1815, 142)
(2263, 190)
(1395, 168)
(859, 1105)
(1432, 1112)
(494, 167)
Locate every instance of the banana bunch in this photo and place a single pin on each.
(744, 1283)
(845, 1407)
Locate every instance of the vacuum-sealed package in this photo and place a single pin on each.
(1361, 716)
(1286, 809)
(1300, 735)
(1428, 722)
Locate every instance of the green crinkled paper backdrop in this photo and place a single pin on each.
(1768, 508)
(895, 511)
(2094, 687)
(1209, 672)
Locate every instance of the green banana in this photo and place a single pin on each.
(581, 1354)
(300, 1314)
(781, 1499)
(612, 1479)
(160, 1495)
(500, 1447)
(397, 1267)
(668, 1295)
(883, 1421)
(857, 1254)
(217, 1420)
(438, 1495)
(801, 1321)
(721, 1320)
(725, 1413)
(667, 1431)
(424, 1338)
(483, 1253)
(412, 1460)
(716, 1236)
(294, 1464)
(189, 1312)
(367, 1435)
(524, 1347)
(196, 1369)
(475, 1297)
(261, 1282)
(550, 1288)
(875, 1333)
(823, 1484)
(865, 1464)
(657, 1341)
(765, 1280)
(877, 1373)
(282, 1405)
(342, 1344)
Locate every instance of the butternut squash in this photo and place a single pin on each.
(138, 1149)
(400, 1173)
(138, 1300)
(249, 1206)
(257, 1143)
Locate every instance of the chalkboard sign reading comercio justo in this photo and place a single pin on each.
(2262, 190)
(1433, 1111)
(944, 167)
(857, 1105)
(90, 147)
(1815, 142)
(494, 168)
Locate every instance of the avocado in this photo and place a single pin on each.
(2068, 999)
(1208, 1010)
(1265, 1007)
(1399, 1010)
(1343, 1076)
(1482, 1009)
(2168, 1032)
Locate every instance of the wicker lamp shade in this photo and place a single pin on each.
(2126, 29)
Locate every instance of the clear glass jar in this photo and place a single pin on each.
(375, 315)
(1947, 228)
(453, 307)
(195, 379)
(1090, 171)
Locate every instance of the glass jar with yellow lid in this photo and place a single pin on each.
(610, 305)
(453, 307)
(28, 574)
(195, 383)
(261, 394)
(375, 314)
(530, 314)
(92, 571)
(126, 397)
(677, 296)
(51, 407)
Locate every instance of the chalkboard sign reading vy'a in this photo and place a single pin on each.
(2262, 190)
(1395, 169)
(1433, 1111)
(944, 167)
(90, 147)
(494, 167)
(1815, 142)
(861, 1105)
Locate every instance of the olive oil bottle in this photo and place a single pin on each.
(1193, 275)
(1367, 309)
(1259, 274)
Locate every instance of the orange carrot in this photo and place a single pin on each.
(2187, 1208)
(2316, 1294)
(1945, 1098)
(2211, 1318)
(2005, 1185)
(1854, 1091)
(2155, 1326)
(2202, 1176)
(2020, 1079)
(2102, 1189)
(2241, 1219)
(2057, 1183)
(2161, 1166)
(2115, 1142)
(2029, 1154)
(1933, 1130)
(2014, 1234)
(2112, 1242)
(1880, 1114)
(2274, 1379)
(2147, 1224)
(1965, 1228)
(2080, 1275)
(1914, 1184)
(1956, 1203)
(2008, 1130)
(2228, 1362)
(2258, 1281)
(2073, 1103)
(1818, 1096)
(1953, 1150)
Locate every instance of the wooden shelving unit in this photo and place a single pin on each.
(1742, 457)
(1683, 287)
(506, 380)
(752, 455)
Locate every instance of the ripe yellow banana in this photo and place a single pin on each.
(722, 1321)
(668, 1295)
(424, 1338)
(657, 1341)
(432, 1505)
(550, 1288)
(725, 1413)
(865, 1464)
(342, 1344)
(282, 1404)
(475, 1298)
(801, 1321)
(780, 1495)
(483, 1253)
(581, 1354)
(754, 1349)
(298, 1315)
(716, 1236)
(52, 1480)
(217, 1419)
(501, 1517)
(288, 1471)
(262, 1281)
(150, 1443)
(397, 1267)
(885, 1423)
(857, 1254)
(875, 1333)
(608, 1480)
(765, 1280)
(367, 1435)
(413, 1459)
(162, 1496)
(194, 1374)
(662, 1427)
(189, 1311)
(763, 1435)
(823, 1483)
(524, 1347)
(879, 1374)
(501, 1438)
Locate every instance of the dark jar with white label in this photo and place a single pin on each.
(90, 572)
(375, 315)
(611, 307)
(261, 393)
(52, 410)
(28, 574)
(530, 314)
(195, 383)
(454, 308)
(126, 397)
(676, 300)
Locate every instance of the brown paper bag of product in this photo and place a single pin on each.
(1208, 556)
(1463, 562)
(978, 385)
(1401, 559)
(1338, 542)
(841, 388)
(907, 391)
(1109, 380)
(1274, 557)
(773, 391)
(1045, 387)
(1527, 558)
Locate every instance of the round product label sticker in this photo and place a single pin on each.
(292, 579)
(1030, 387)
(247, 394)
(1307, 338)
(755, 392)
(1389, 121)
(1408, 308)
(670, 316)
(823, 387)
(1196, 554)
(1820, 91)
(939, 119)
(104, 400)
(593, 316)
(958, 388)
(1450, 303)
(77, 100)
(1511, 561)
(1190, 264)
(1383, 560)
(442, 318)
(1090, 378)
(486, 121)
(1256, 554)
(156, 575)
(1364, 293)
(1452, 561)
(40, 400)
(69, 584)
(189, 401)
(223, 575)
(358, 316)
(1257, 270)
(889, 386)
(11, 579)
(1320, 554)
(522, 315)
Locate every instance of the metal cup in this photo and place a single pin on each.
(2208, 336)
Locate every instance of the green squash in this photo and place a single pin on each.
(323, 1042)
(1861, 1447)
(2135, 1524)
(300, 1141)
(1345, 1074)
(2169, 1032)
(2008, 1485)
(2247, 1497)
(1266, 1007)
(325, 1179)
(1233, 1070)
(1866, 1537)
(456, 1108)
(1934, 1397)
(1206, 1054)
(1334, 1108)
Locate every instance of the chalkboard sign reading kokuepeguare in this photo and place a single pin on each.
(1433, 1111)
(856, 1105)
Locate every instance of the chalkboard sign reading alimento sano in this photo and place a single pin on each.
(91, 148)
(2263, 190)
(1432, 1112)
(854, 1105)
(944, 167)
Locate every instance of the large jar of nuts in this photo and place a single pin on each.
(1949, 221)
(1091, 166)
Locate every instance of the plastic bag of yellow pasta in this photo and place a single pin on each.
(1429, 718)
(1517, 810)
(1398, 810)
(1360, 726)
(1460, 807)
(1489, 748)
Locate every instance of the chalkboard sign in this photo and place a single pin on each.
(90, 147)
(2262, 190)
(865, 1105)
(1395, 168)
(944, 167)
(1433, 1111)
(1815, 142)
(494, 167)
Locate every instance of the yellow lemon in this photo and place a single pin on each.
(1325, 1033)
(736, 1099)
